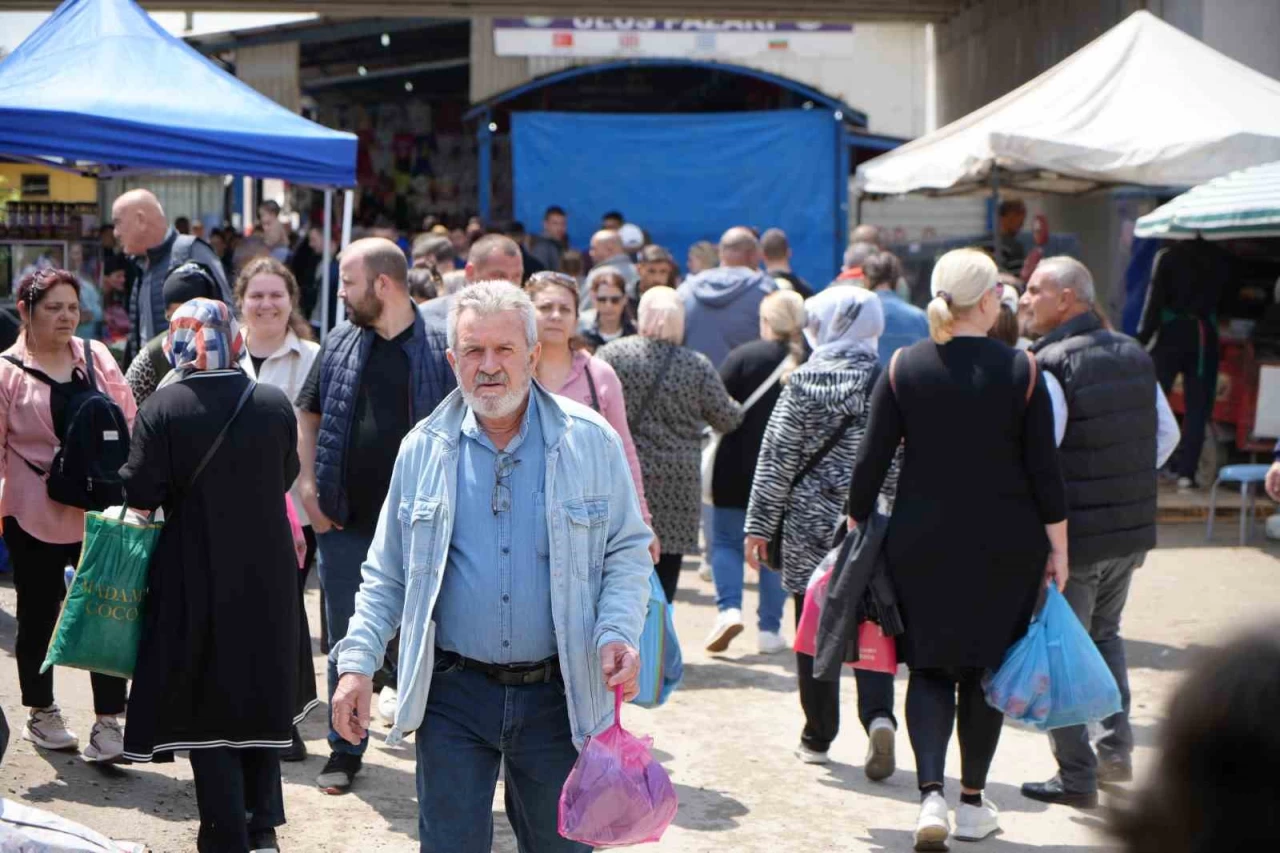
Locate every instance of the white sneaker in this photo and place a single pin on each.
(932, 827)
(46, 729)
(106, 742)
(704, 572)
(388, 701)
(974, 823)
(812, 756)
(728, 626)
(880, 762)
(771, 642)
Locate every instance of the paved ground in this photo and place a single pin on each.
(726, 736)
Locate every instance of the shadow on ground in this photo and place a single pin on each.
(902, 787)
(901, 840)
(707, 810)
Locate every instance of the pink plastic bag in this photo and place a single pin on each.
(807, 629)
(617, 794)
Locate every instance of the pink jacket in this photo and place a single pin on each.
(612, 406)
(26, 429)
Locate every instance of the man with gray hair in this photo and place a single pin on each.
(513, 557)
(1114, 430)
(722, 304)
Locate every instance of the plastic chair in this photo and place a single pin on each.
(1246, 476)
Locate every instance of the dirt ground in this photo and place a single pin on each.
(726, 736)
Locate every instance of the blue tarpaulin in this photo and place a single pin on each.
(685, 178)
(102, 84)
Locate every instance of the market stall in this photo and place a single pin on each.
(101, 89)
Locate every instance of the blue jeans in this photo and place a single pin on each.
(1097, 592)
(341, 553)
(472, 726)
(727, 558)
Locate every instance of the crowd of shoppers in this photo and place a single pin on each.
(487, 469)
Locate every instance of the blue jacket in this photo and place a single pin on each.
(722, 309)
(904, 324)
(343, 358)
(600, 563)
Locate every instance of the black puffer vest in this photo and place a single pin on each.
(1109, 450)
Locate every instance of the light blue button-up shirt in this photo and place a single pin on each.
(495, 597)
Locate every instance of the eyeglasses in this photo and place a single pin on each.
(609, 300)
(549, 277)
(500, 500)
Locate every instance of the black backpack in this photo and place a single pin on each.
(94, 445)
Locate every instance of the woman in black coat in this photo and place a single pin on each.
(978, 523)
(217, 662)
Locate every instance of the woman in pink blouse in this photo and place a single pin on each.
(567, 369)
(43, 536)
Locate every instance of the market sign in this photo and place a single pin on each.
(667, 37)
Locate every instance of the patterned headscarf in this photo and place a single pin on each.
(203, 335)
(844, 320)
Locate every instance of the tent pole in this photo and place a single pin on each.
(246, 227)
(327, 260)
(994, 216)
(348, 209)
(484, 169)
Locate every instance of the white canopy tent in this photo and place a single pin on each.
(1144, 103)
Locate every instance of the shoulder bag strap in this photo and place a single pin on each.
(38, 374)
(657, 383)
(822, 452)
(1031, 383)
(766, 385)
(222, 434)
(88, 363)
(591, 384)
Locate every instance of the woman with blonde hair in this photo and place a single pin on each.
(753, 374)
(978, 527)
(673, 393)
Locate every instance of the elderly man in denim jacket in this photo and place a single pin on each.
(513, 558)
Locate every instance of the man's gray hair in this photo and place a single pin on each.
(857, 253)
(487, 298)
(1069, 274)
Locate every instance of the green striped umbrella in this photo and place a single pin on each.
(1242, 204)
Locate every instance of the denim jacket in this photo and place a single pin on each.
(600, 564)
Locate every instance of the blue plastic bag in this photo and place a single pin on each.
(661, 663)
(1054, 676)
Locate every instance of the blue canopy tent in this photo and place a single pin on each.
(689, 178)
(102, 89)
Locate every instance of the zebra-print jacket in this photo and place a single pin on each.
(815, 400)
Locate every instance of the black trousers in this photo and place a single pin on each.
(39, 580)
(239, 797)
(1189, 347)
(668, 569)
(932, 711)
(820, 700)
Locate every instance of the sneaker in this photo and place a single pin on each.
(106, 741)
(388, 701)
(297, 750)
(728, 626)
(46, 729)
(812, 756)
(771, 642)
(880, 750)
(974, 823)
(704, 573)
(932, 827)
(338, 772)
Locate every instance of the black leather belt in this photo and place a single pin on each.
(508, 675)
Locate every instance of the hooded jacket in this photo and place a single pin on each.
(722, 309)
(817, 398)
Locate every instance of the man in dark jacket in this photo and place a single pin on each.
(144, 234)
(377, 375)
(1114, 430)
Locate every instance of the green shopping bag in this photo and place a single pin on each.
(101, 620)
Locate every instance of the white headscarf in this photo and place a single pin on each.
(844, 320)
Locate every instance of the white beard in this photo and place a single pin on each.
(497, 407)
